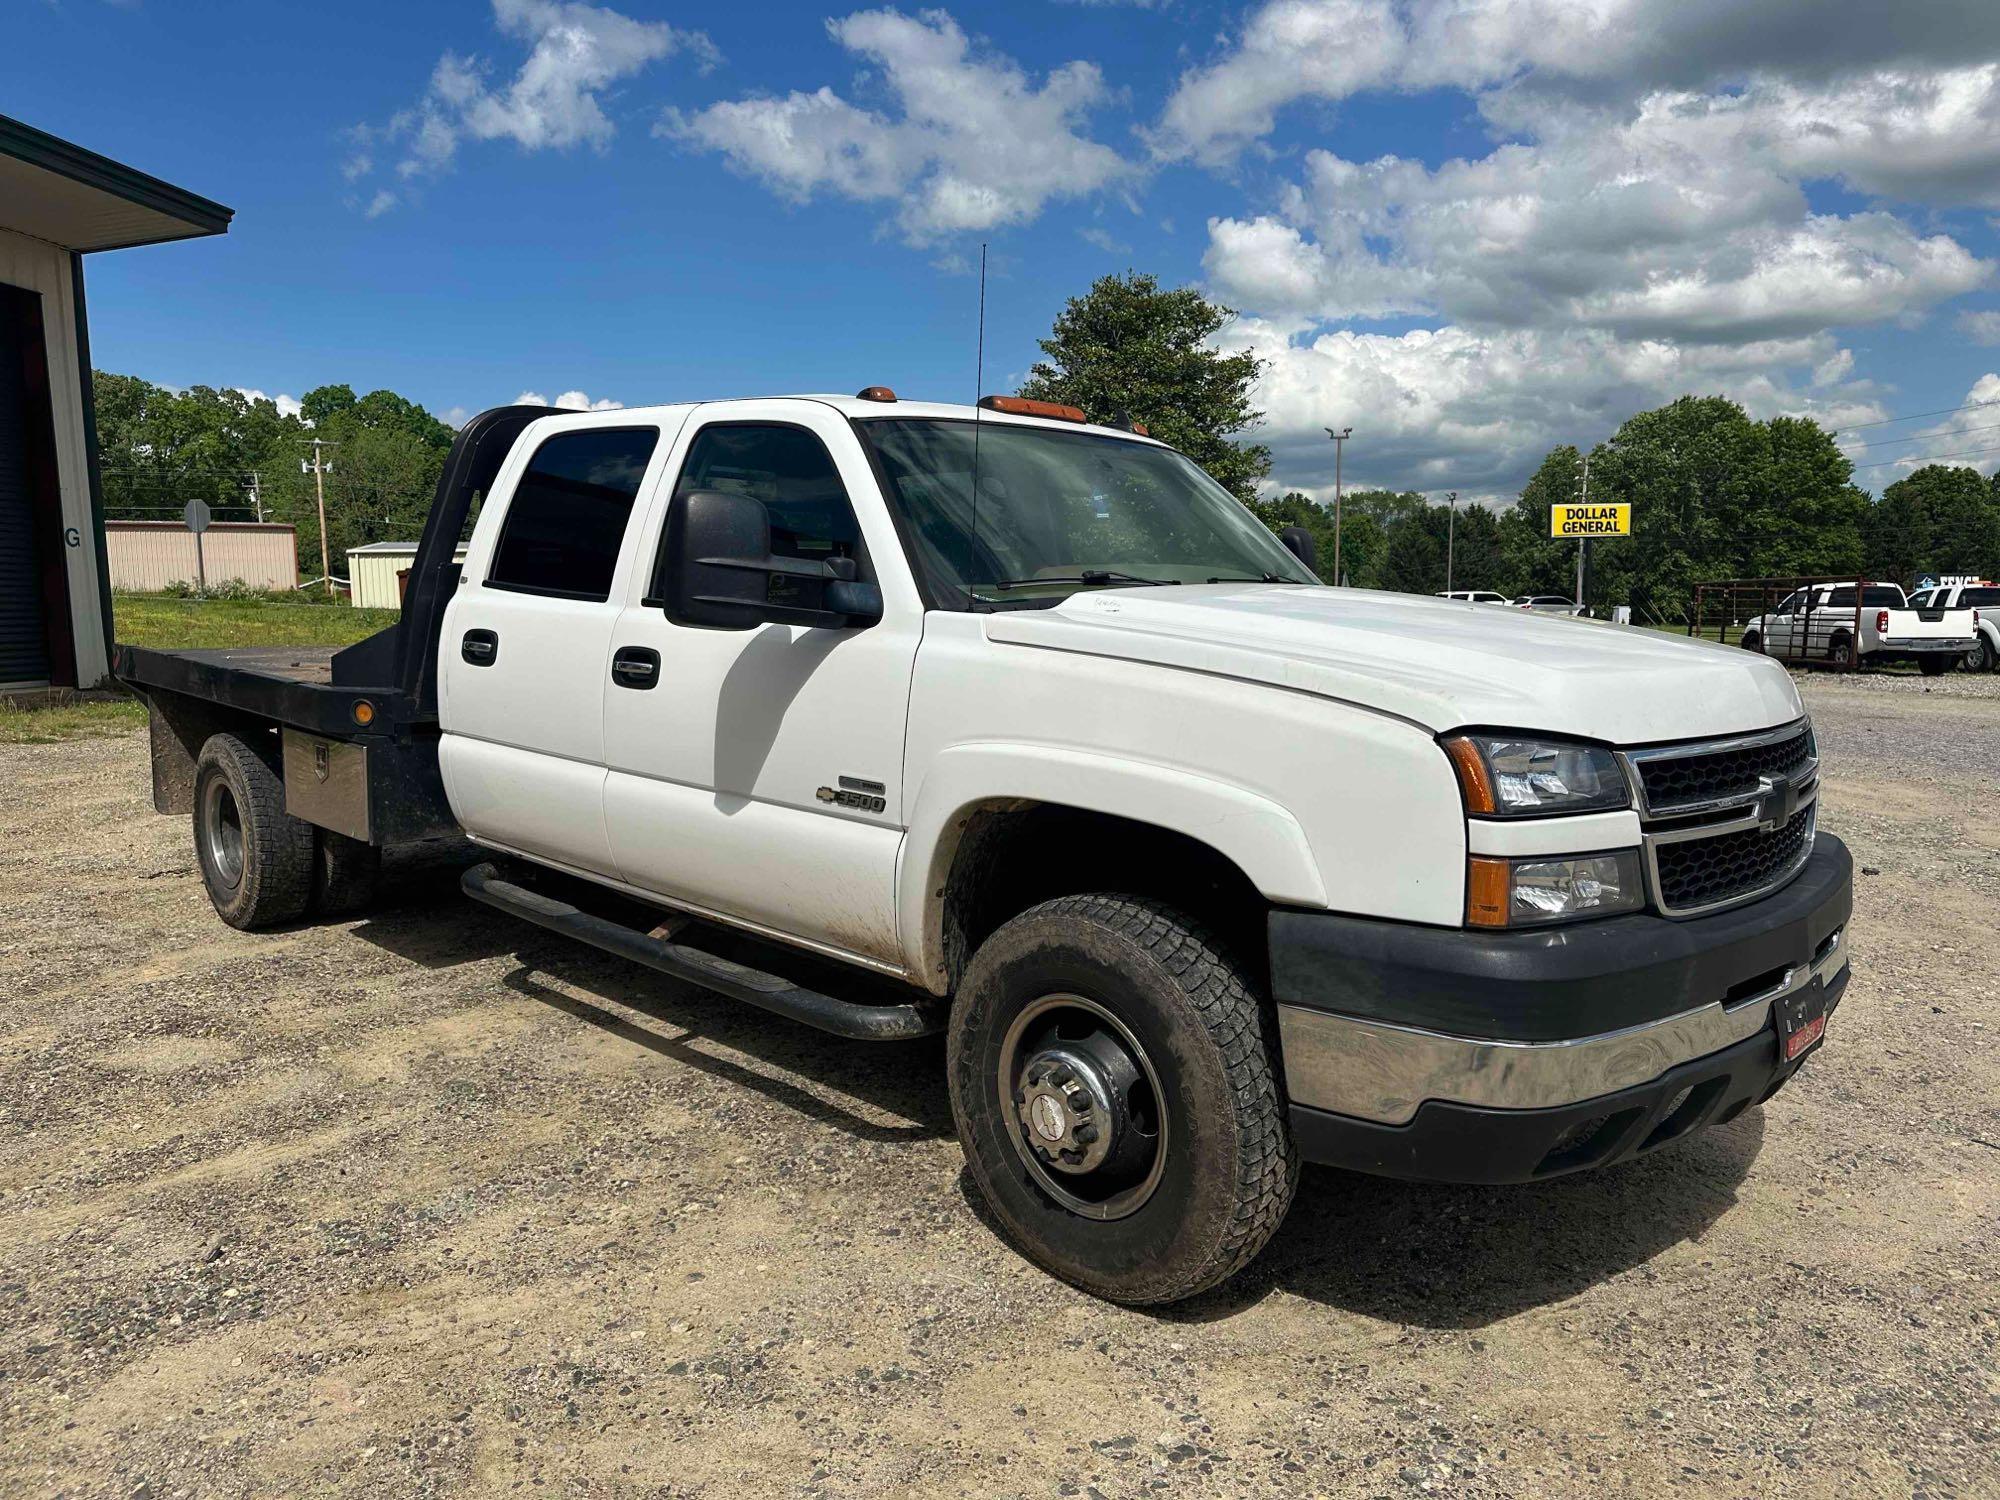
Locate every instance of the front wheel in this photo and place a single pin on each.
(1112, 1080)
(1841, 652)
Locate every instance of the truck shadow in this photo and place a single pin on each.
(1442, 1257)
(799, 1069)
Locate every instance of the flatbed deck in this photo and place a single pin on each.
(287, 684)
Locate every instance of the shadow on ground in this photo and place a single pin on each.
(1418, 1254)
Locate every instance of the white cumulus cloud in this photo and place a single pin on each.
(555, 98)
(974, 143)
(569, 401)
(288, 406)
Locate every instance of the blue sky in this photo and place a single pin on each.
(1469, 230)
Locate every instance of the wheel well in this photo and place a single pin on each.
(1013, 856)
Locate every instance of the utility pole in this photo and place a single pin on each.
(1339, 445)
(257, 495)
(1582, 542)
(319, 469)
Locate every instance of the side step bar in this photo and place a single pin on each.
(867, 1023)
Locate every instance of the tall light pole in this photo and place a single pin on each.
(1339, 446)
(1450, 534)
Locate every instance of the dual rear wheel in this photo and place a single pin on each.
(262, 866)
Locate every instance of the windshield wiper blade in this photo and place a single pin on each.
(1088, 575)
(1260, 578)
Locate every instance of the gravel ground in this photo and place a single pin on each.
(434, 1203)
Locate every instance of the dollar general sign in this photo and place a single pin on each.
(1590, 520)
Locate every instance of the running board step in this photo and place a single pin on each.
(867, 1023)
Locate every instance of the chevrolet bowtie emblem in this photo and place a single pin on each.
(1777, 800)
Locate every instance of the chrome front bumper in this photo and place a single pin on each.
(1383, 1072)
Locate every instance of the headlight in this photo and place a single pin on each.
(1512, 776)
(1531, 892)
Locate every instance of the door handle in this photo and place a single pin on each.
(480, 647)
(635, 666)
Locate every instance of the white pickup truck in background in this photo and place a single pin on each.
(1202, 868)
(1829, 623)
(1983, 599)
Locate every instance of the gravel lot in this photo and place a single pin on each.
(439, 1204)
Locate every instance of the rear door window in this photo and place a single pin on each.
(567, 518)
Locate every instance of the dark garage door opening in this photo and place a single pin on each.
(32, 589)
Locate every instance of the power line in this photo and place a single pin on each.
(1922, 437)
(1915, 416)
(1931, 458)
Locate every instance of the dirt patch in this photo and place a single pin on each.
(434, 1203)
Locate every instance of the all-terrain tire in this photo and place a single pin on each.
(256, 859)
(346, 874)
(1228, 1169)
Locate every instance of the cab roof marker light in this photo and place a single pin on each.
(875, 393)
(1021, 406)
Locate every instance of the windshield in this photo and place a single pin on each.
(1062, 511)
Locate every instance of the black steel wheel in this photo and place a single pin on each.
(256, 859)
(1113, 1083)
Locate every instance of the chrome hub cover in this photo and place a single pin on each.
(1066, 1109)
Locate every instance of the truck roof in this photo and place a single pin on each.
(862, 409)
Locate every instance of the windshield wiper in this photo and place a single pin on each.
(1260, 578)
(1088, 575)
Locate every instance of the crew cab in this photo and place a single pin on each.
(1204, 869)
(1983, 599)
(1862, 624)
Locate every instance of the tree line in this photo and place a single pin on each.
(160, 448)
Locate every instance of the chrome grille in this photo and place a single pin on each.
(1673, 781)
(1696, 873)
(1723, 822)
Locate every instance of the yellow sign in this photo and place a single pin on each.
(1590, 520)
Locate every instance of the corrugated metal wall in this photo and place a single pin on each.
(371, 577)
(146, 556)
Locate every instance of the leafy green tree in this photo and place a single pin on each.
(1475, 554)
(1939, 519)
(1413, 563)
(1533, 562)
(1127, 348)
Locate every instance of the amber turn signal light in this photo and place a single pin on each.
(1487, 886)
(1473, 779)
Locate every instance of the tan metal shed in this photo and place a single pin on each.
(372, 571)
(147, 556)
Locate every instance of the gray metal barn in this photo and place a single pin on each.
(58, 203)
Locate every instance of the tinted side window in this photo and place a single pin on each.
(567, 518)
(789, 470)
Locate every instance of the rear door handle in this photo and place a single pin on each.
(480, 647)
(635, 666)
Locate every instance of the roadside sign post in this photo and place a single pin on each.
(1584, 521)
(196, 515)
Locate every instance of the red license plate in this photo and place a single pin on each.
(1804, 1037)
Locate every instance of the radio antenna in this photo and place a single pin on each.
(978, 391)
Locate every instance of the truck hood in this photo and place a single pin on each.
(1440, 663)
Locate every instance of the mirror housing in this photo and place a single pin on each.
(1299, 542)
(720, 574)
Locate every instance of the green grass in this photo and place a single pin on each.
(177, 624)
(174, 624)
(45, 724)
(1730, 636)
